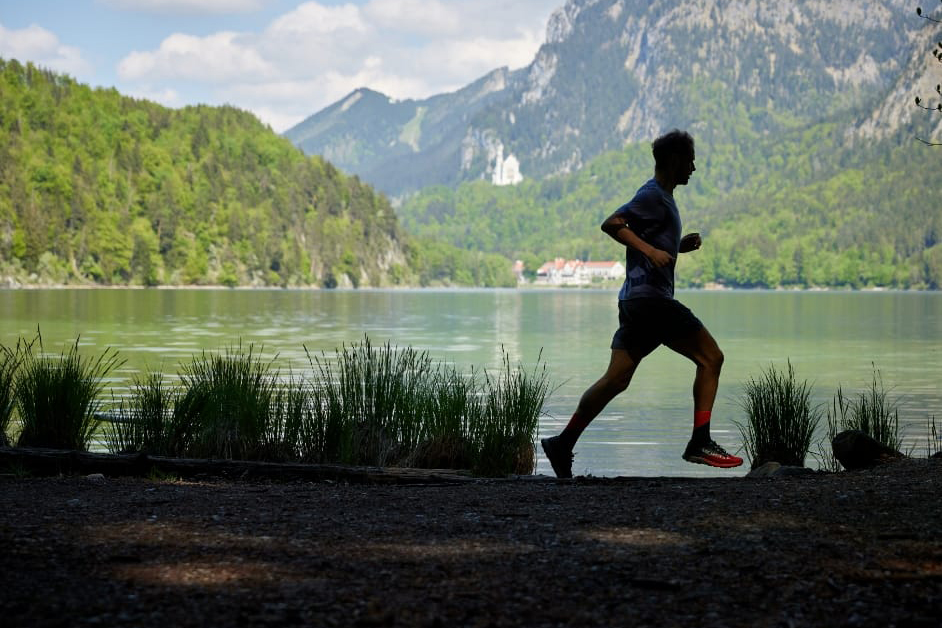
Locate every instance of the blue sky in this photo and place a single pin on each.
(281, 59)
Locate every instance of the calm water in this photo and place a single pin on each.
(831, 339)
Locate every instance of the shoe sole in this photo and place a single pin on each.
(548, 457)
(714, 463)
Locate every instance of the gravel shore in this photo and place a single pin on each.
(846, 549)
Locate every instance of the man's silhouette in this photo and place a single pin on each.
(649, 227)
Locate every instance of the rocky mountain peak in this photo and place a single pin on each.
(618, 71)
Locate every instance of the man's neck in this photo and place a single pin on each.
(666, 181)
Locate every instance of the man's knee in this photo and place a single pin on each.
(618, 382)
(714, 359)
(618, 377)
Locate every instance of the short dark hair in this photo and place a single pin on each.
(674, 142)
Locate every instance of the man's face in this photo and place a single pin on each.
(685, 167)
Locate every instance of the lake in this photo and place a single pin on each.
(831, 338)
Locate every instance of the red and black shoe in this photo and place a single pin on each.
(711, 454)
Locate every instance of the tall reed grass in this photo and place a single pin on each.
(235, 391)
(371, 402)
(9, 364)
(57, 398)
(155, 418)
(504, 433)
(836, 415)
(933, 438)
(780, 419)
(872, 412)
(365, 405)
(388, 406)
(876, 414)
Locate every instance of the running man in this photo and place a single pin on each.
(648, 315)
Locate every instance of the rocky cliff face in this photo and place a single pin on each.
(618, 71)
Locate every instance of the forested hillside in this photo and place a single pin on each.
(844, 196)
(100, 188)
(798, 211)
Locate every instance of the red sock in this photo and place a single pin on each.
(701, 426)
(701, 417)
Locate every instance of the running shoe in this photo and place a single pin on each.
(711, 454)
(559, 456)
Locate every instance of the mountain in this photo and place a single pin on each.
(99, 188)
(614, 72)
(841, 196)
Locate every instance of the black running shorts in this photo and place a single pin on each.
(645, 323)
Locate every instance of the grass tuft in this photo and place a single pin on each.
(388, 406)
(365, 405)
(155, 419)
(231, 397)
(9, 364)
(505, 433)
(780, 418)
(836, 415)
(57, 398)
(875, 414)
(933, 438)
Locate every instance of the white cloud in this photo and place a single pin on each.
(165, 96)
(316, 54)
(42, 47)
(187, 6)
(313, 19)
(217, 58)
(430, 17)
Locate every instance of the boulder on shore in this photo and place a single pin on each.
(854, 449)
(778, 470)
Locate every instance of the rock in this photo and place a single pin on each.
(765, 471)
(776, 470)
(790, 470)
(95, 477)
(856, 450)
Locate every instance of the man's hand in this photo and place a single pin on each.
(658, 257)
(690, 242)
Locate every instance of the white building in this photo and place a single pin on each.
(563, 272)
(506, 171)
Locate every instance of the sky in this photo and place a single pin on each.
(283, 60)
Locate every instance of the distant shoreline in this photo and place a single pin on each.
(525, 287)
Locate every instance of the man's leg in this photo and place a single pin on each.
(621, 368)
(558, 449)
(701, 348)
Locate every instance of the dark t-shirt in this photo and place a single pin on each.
(653, 216)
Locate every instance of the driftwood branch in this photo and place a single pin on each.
(46, 462)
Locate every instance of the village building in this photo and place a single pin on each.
(563, 272)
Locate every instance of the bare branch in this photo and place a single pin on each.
(926, 17)
(928, 143)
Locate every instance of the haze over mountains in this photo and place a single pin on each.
(613, 72)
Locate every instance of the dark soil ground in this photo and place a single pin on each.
(848, 549)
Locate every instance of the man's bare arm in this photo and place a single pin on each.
(616, 227)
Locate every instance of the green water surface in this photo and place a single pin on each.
(831, 338)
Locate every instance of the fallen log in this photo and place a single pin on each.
(46, 462)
